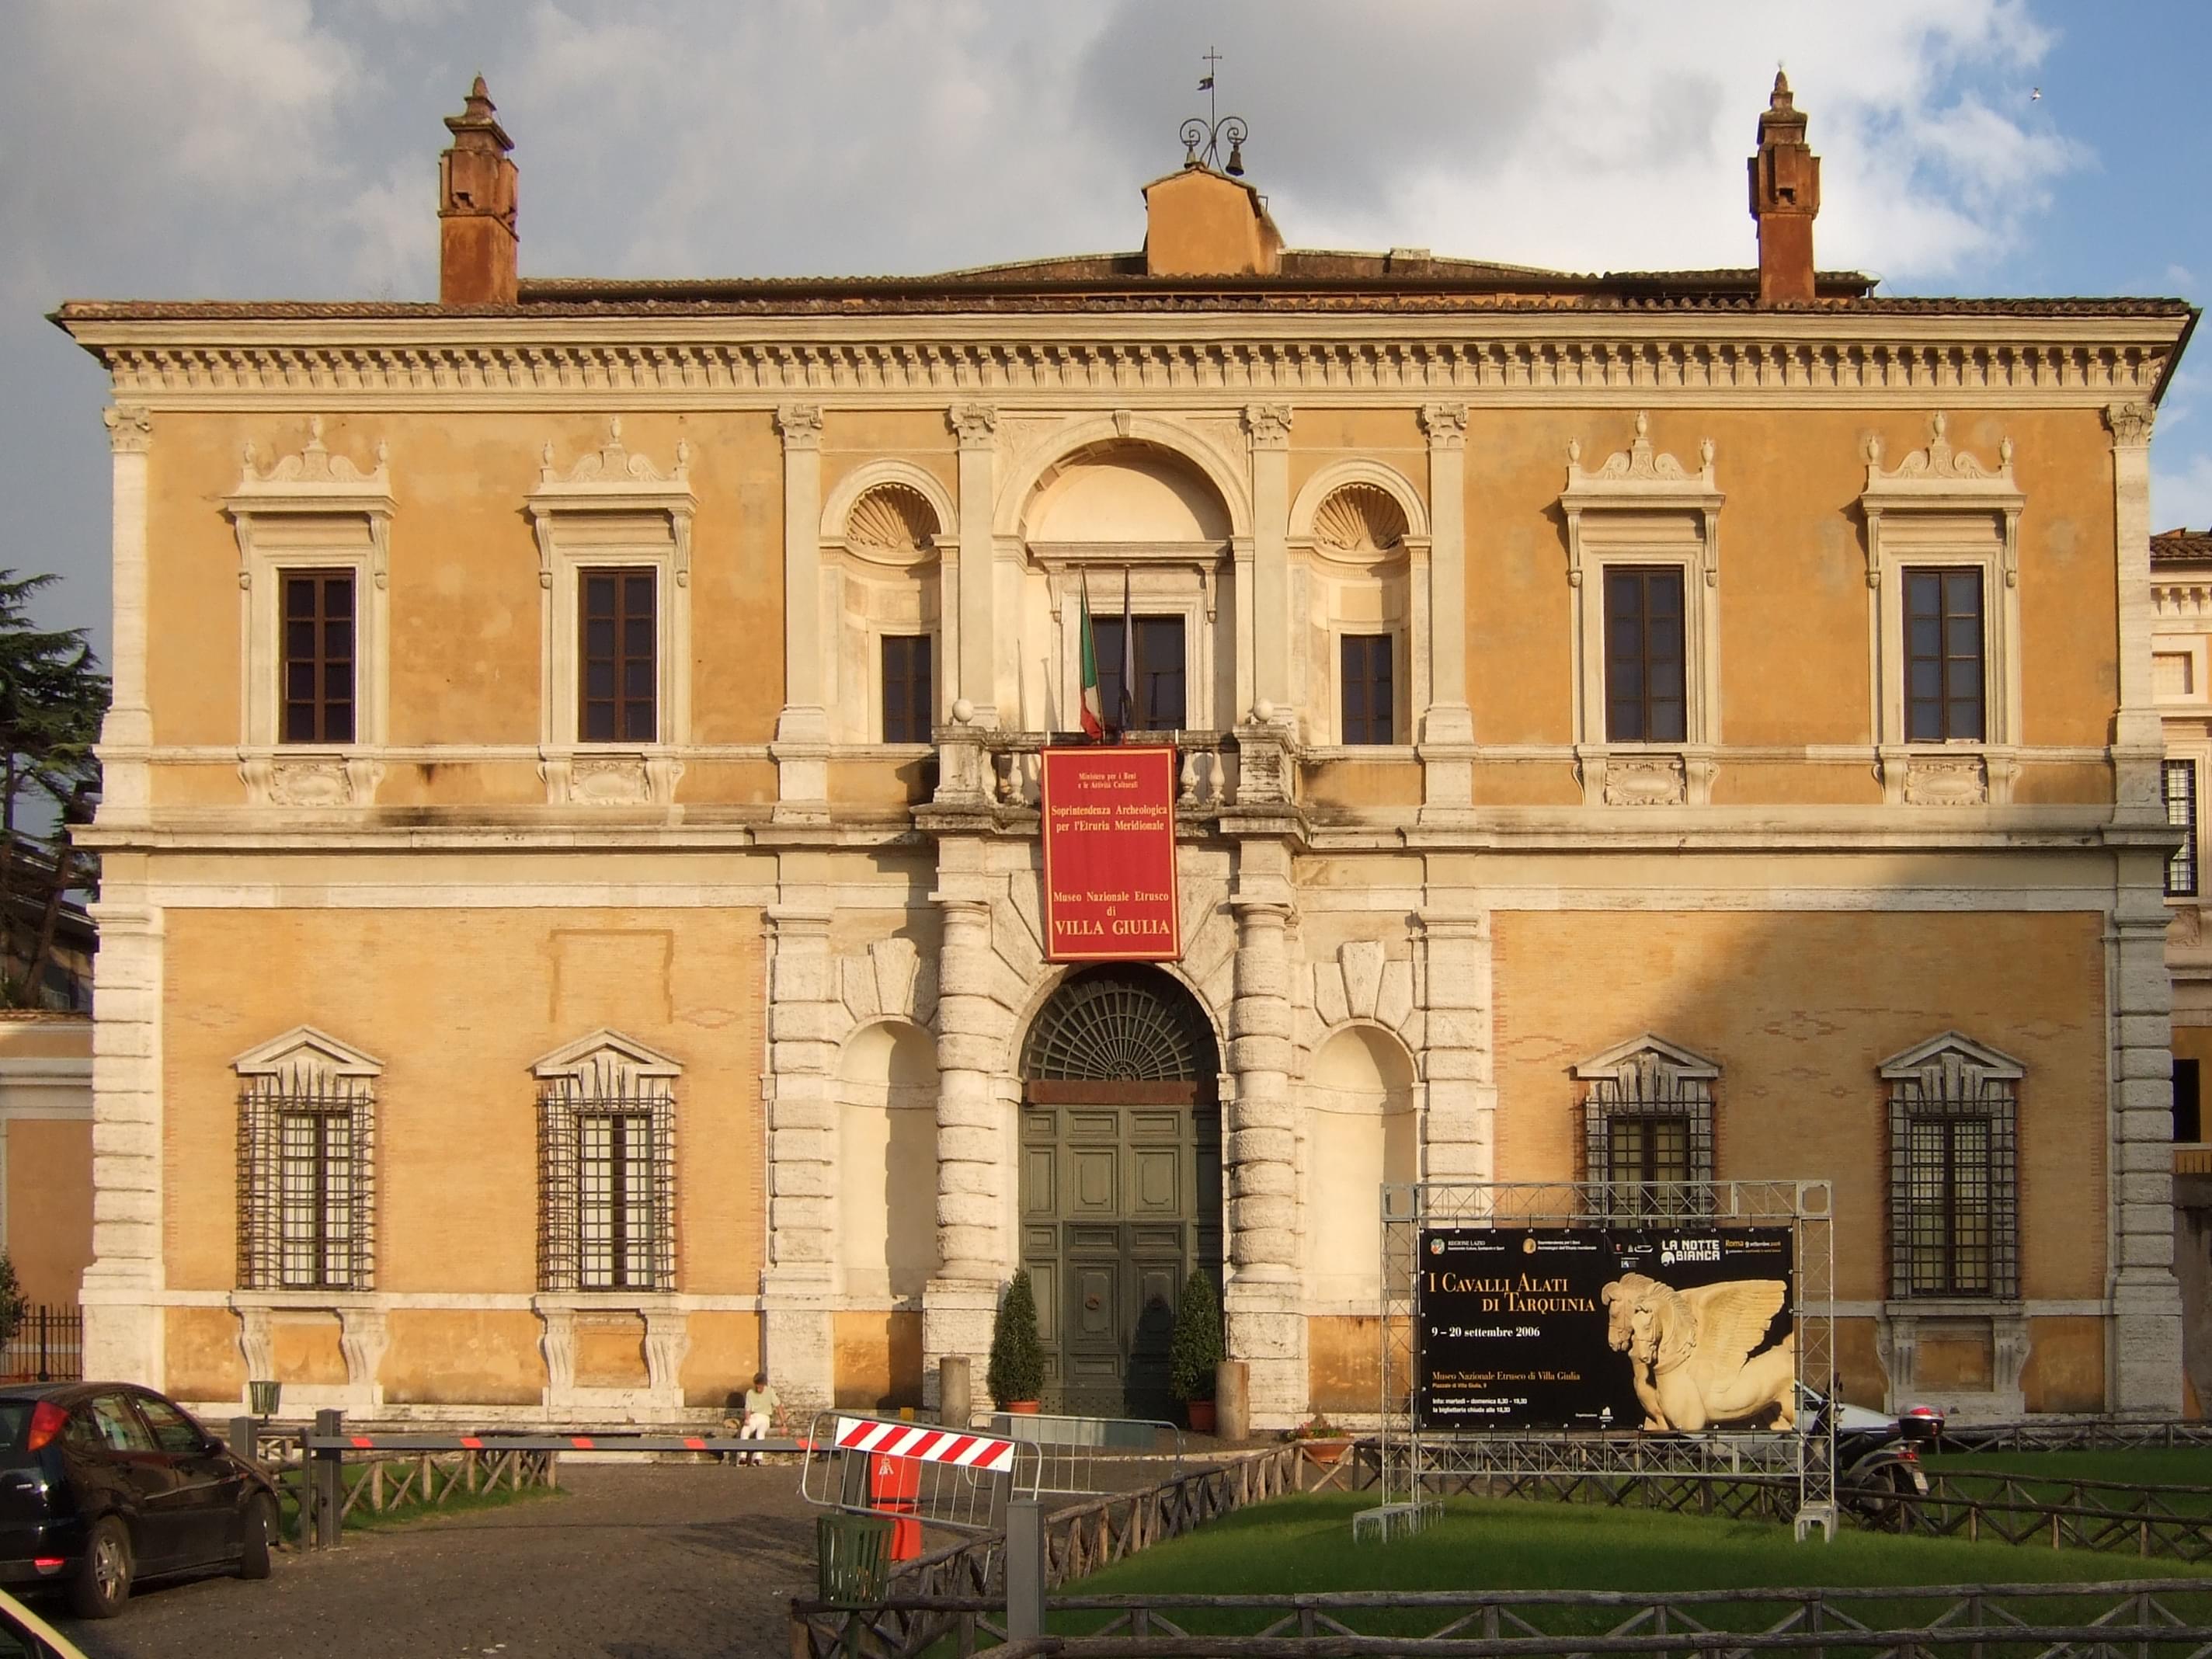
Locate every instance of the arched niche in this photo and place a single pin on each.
(887, 1163)
(1360, 548)
(1359, 1132)
(883, 584)
(1136, 511)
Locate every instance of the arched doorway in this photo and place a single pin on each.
(1121, 1181)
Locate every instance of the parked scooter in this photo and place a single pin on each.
(1879, 1473)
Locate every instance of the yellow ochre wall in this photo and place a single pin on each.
(1798, 1010)
(457, 1005)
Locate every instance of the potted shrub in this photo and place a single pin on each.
(1016, 1377)
(1320, 1440)
(1195, 1350)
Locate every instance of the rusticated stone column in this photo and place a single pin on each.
(802, 1118)
(1265, 1328)
(958, 1302)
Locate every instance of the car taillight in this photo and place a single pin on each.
(47, 1420)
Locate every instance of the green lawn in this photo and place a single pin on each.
(2179, 1466)
(1305, 1544)
(364, 1519)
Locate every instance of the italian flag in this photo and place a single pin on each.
(1094, 712)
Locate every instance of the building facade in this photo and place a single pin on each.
(570, 912)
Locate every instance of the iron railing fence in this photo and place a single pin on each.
(2152, 1618)
(48, 1347)
(2077, 1434)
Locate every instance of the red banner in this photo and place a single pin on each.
(1109, 858)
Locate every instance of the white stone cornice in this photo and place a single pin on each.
(1128, 360)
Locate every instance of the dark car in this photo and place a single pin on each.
(103, 1484)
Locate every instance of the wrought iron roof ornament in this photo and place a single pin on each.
(1202, 136)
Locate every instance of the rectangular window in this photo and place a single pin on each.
(1649, 1149)
(1158, 703)
(909, 701)
(617, 651)
(1368, 697)
(2188, 1104)
(319, 656)
(314, 1186)
(2181, 813)
(1646, 696)
(1943, 654)
(615, 1207)
(1951, 1224)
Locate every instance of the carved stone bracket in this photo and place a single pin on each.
(257, 1342)
(667, 1341)
(364, 1335)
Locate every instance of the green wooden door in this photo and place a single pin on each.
(1120, 1195)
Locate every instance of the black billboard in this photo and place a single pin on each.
(1654, 1328)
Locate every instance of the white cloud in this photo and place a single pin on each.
(2181, 495)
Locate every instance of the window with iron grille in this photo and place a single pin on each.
(607, 1182)
(305, 1186)
(317, 696)
(2181, 813)
(1954, 1223)
(1944, 655)
(1369, 698)
(1648, 1130)
(1646, 676)
(618, 648)
(909, 698)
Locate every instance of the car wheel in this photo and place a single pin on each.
(101, 1584)
(257, 1526)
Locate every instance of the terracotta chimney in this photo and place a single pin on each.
(1785, 195)
(476, 209)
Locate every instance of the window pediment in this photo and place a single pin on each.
(1951, 1059)
(308, 1057)
(1645, 1060)
(607, 1064)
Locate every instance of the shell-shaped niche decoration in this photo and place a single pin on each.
(1361, 520)
(891, 524)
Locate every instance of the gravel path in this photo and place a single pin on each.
(654, 1561)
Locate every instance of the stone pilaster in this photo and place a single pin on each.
(802, 729)
(123, 1329)
(129, 726)
(2147, 1368)
(1268, 600)
(1458, 1136)
(1446, 726)
(802, 1115)
(1265, 1327)
(973, 1256)
(2146, 1298)
(976, 428)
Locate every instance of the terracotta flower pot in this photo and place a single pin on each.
(1324, 1451)
(1200, 1413)
(1021, 1407)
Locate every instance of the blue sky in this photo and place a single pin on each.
(222, 148)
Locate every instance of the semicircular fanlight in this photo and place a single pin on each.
(1360, 518)
(1115, 1025)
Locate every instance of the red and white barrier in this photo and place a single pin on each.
(925, 1446)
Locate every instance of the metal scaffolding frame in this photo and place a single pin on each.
(1419, 1462)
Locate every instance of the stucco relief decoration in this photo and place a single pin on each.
(274, 781)
(612, 478)
(1945, 780)
(892, 523)
(314, 482)
(1941, 478)
(1641, 478)
(611, 780)
(1360, 521)
(1645, 781)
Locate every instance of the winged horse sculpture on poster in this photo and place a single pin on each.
(1691, 1351)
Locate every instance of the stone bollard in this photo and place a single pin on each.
(1232, 1401)
(956, 1395)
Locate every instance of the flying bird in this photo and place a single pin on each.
(2036, 96)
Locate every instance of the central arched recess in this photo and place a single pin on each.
(1121, 1181)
